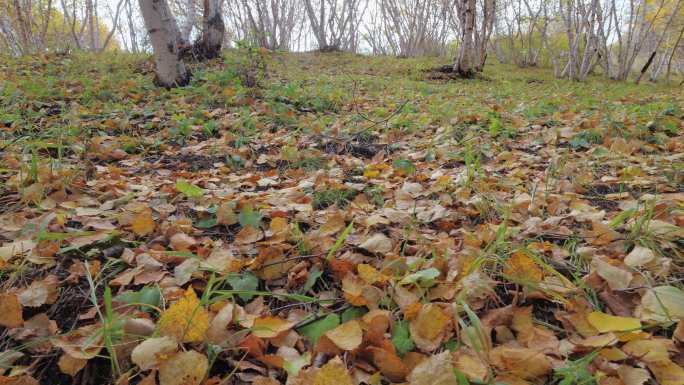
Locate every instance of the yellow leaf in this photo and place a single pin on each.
(333, 373)
(613, 354)
(143, 223)
(605, 323)
(186, 320)
(667, 372)
(347, 336)
(523, 268)
(428, 329)
(370, 274)
(647, 350)
(269, 327)
(229, 92)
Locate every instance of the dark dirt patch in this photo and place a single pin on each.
(190, 162)
(357, 149)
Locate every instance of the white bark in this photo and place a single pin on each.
(163, 32)
(465, 61)
(213, 30)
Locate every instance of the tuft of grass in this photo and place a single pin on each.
(333, 196)
(310, 163)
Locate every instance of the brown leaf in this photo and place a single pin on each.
(10, 311)
(183, 368)
(521, 362)
(70, 365)
(389, 364)
(182, 242)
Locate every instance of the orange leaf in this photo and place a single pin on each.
(143, 223)
(10, 311)
(523, 268)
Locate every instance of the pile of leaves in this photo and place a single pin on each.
(349, 221)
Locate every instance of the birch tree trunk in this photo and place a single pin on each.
(659, 42)
(213, 30)
(163, 32)
(465, 65)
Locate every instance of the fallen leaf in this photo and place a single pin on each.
(218, 327)
(633, 376)
(10, 311)
(269, 327)
(428, 329)
(332, 373)
(474, 368)
(662, 303)
(316, 329)
(15, 249)
(389, 364)
(522, 268)
(647, 350)
(436, 369)
(617, 278)
(182, 242)
(524, 363)
(667, 372)
(183, 368)
(151, 352)
(347, 336)
(605, 323)
(377, 243)
(70, 365)
(143, 223)
(370, 274)
(639, 256)
(186, 320)
(248, 235)
(293, 361)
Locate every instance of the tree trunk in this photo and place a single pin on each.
(213, 30)
(672, 55)
(162, 29)
(465, 65)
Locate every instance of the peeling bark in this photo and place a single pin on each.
(213, 31)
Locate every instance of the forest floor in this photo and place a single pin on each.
(337, 219)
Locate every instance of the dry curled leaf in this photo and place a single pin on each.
(436, 369)
(183, 368)
(149, 353)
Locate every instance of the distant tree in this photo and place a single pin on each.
(164, 35)
(408, 28)
(31, 26)
(335, 24)
(269, 24)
